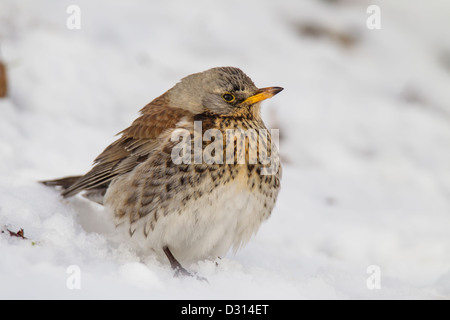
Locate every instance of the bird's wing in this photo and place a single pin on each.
(134, 146)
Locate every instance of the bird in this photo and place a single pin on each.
(186, 207)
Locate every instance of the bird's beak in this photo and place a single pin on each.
(262, 94)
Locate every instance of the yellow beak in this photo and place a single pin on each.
(262, 94)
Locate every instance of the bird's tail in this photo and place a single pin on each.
(94, 194)
(64, 183)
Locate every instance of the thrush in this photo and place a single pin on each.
(186, 207)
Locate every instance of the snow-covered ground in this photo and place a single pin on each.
(364, 120)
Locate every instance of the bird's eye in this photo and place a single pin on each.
(228, 97)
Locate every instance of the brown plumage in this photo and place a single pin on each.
(133, 147)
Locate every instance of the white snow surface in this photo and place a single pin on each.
(365, 144)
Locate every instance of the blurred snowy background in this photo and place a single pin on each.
(364, 120)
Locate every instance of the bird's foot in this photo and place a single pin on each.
(179, 270)
(182, 272)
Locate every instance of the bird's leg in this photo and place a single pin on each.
(179, 270)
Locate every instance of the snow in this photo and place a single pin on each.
(365, 126)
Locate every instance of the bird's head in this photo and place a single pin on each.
(223, 91)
